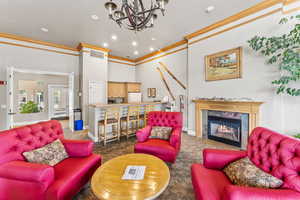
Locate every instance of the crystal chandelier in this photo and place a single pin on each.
(133, 15)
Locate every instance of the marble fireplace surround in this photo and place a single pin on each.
(244, 107)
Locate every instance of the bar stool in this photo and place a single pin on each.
(111, 118)
(144, 117)
(132, 121)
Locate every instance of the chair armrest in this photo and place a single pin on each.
(78, 148)
(175, 138)
(218, 159)
(143, 134)
(233, 192)
(26, 171)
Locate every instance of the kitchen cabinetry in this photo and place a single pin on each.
(121, 89)
(116, 89)
(133, 87)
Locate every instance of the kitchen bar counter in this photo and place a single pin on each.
(99, 105)
(97, 111)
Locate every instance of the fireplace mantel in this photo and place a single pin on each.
(249, 107)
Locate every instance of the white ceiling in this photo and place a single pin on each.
(69, 22)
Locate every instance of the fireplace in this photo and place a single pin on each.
(227, 127)
(226, 130)
(244, 110)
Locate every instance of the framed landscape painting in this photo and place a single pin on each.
(224, 65)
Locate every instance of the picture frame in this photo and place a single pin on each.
(224, 65)
(151, 92)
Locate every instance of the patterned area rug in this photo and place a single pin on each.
(180, 186)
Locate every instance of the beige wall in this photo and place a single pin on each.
(121, 72)
(280, 113)
(33, 59)
(150, 78)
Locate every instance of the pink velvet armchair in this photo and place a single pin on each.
(30, 181)
(166, 150)
(274, 153)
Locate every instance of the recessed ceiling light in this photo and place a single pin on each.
(151, 49)
(209, 9)
(44, 29)
(94, 17)
(134, 43)
(105, 44)
(136, 53)
(153, 39)
(114, 37)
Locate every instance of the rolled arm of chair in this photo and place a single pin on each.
(175, 138)
(143, 134)
(218, 159)
(78, 148)
(234, 192)
(25, 171)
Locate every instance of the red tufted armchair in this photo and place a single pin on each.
(274, 153)
(21, 180)
(165, 150)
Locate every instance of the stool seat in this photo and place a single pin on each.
(130, 118)
(109, 121)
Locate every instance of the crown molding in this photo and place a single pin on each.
(91, 46)
(235, 26)
(30, 40)
(121, 58)
(113, 61)
(37, 48)
(288, 2)
(252, 10)
(163, 55)
(167, 48)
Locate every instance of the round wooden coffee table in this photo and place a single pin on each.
(107, 181)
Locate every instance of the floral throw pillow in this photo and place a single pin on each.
(244, 173)
(161, 132)
(50, 154)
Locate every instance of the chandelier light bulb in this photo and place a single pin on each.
(110, 6)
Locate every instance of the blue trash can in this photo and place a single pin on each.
(78, 124)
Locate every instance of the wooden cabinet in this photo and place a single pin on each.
(121, 89)
(116, 89)
(133, 87)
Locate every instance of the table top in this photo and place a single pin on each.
(107, 181)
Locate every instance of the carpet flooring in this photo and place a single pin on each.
(180, 187)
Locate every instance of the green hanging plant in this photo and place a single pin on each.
(285, 51)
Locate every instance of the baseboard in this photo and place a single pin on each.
(191, 132)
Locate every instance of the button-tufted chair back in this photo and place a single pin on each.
(170, 119)
(15, 141)
(276, 154)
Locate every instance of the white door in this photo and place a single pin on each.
(58, 101)
(71, 101)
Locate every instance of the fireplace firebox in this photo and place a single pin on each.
(225, 129)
